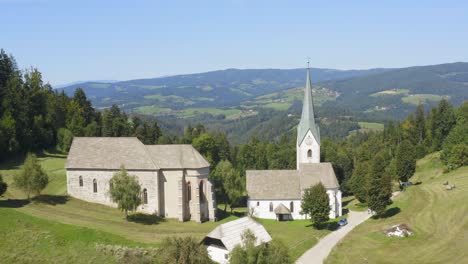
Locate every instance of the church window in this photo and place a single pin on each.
(145, 196)
(291, 207)
(201, 191)
(309, 153)
(271, 207)
(81, 181)
(189, 191)
(258, 203)
(95, 185)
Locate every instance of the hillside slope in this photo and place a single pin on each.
(438, 217)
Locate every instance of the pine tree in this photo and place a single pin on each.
(405, 160)
(380, 187)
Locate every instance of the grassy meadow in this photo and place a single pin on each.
(56, 217)
(439, 219)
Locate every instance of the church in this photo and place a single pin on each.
(173, 178)
(277, 194)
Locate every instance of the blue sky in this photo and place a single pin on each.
(119, 40)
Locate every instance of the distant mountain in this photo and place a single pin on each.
(58, 86)
(234, 93)
(224, 88)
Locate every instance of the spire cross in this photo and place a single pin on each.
(308, 62)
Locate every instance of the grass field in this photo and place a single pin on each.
(438, 217)
(56, 215)
(372, 126)
(416, 99)
(390, 92)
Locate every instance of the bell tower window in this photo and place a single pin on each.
(309, 153)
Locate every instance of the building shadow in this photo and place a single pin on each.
(51, 199)
(345, 203)
(145, 219)
(14, 203)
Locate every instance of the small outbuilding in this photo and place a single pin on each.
(224, 238)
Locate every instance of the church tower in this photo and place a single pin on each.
(308, 133)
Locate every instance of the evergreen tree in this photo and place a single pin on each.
(125, 191)
(405, 161)
(316, 204)
(380, 187)
(359, 182)
(31, 179)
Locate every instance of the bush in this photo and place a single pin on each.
(3, 186)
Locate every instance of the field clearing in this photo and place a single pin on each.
(152, 110)
(390, 92)
(55, 210)
(370, 125)
(416, 99)
(438, 217)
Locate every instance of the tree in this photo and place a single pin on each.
(64, 139)
(31, 179)
(274, 252)
(380, 186)
(316, 203)
(183, 250)
(3, 185)
(359, 181)
(405, 160)
(125, 191)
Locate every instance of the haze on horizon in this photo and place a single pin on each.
(118, 40)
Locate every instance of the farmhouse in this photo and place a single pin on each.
(277, 194)
(174, 178)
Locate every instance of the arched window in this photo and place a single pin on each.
(291, 207)
(271, 207)
(258, 203)
(189, 191)
(145, 196)
(201, 191)
(309, 153)
(95, 185)
(81, 181)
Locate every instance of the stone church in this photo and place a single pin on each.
(277, 194)
(173, 178)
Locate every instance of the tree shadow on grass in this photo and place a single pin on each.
(51, 199)
(345, 203)
(389, 213)
(145, 219)
(14, 203)
(220, 214)
(331, 226)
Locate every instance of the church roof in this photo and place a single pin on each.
(177, 157)
(308, 115)
(230, 233)
(313, 173)
(110, 153)
(288, 184)
(273, 184)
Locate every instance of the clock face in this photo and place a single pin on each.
(308, 141)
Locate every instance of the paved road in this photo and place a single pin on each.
(320, 251)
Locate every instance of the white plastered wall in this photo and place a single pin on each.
(303, 148)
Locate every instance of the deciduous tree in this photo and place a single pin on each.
(31, 179)
(125, 191)
(316, 204)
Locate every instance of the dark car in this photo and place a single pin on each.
(343, 222)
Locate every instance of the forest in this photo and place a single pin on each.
(34, 117)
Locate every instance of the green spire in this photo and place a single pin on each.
(308, 116)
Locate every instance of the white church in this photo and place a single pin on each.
(277, 194)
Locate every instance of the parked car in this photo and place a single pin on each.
(343, 222)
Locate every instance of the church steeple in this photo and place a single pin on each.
(307, 122)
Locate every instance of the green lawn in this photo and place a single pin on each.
(58, 211)
(438, 217)
(416, 99)
(369, 125)
(390, 92)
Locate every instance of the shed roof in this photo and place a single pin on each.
(109, 153)
(230, 233)
(177, 156)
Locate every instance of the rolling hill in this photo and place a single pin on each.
(237, 93)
